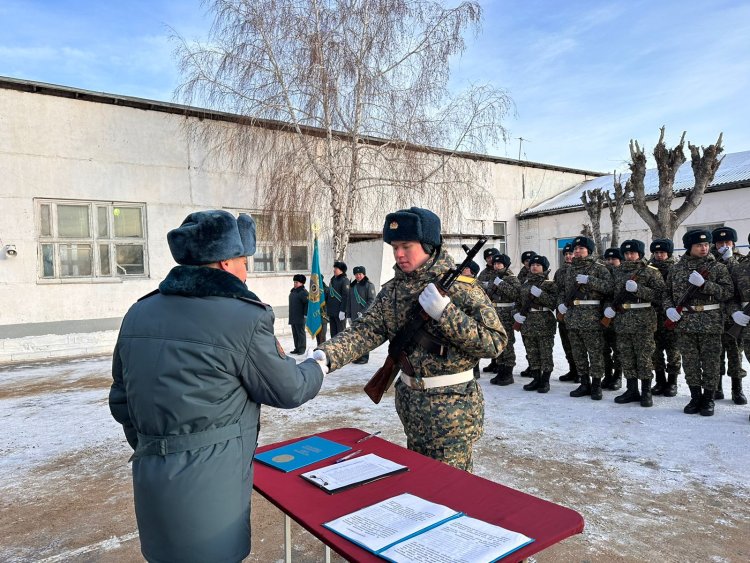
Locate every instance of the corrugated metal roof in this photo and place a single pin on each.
(735, 167)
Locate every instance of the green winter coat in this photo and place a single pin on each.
(192, 365)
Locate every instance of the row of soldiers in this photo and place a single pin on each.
(625, 315)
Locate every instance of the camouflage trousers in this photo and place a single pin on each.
(565, 340)
(508, 356)
(442, 423)
(611, 351)
(733, 353)
(701, 354)
(588, 352)
(539, 346)
(636, 352)
(665, 342)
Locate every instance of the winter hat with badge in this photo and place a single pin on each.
(473, 268)
(539, 259)
(490, 252)
(585, 242)
(340, 265)
(633, 245)
(695, 236)
(299, 278)
(414, 223)
(205, 237)
(723, 234)
(527, 255)
(663, 245)
(567, 249)
(503, 259)
(359, 270)
(613, 252)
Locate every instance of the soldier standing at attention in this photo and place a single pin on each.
(361, 296)
(612, 366)
(587, 282)
(525, 257)
(503, 294)
(700, 321)
(559, 279)
(665, 340)
(297, 312)
(484, 279)
(724, 239)
(538, 296)
(442, 408)
(637, 286)
(741, 277)
(337, 298)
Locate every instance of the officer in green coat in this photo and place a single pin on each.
(193, 363)
(441, 408)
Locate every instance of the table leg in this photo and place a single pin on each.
(287, 539)
(328, 555)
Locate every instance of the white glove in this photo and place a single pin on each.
(609, 312)
(485, 284)
(696, 279)
(519, 318)
(342, 315)
(726, 252)
(318, 356)
(497, 281)
(582, 279)
(432, 302)
(673, 315)
(535, 291)
(631, 286)
(740, 318)
(562, 308)
(359, 315)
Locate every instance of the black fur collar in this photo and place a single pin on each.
(200, 281)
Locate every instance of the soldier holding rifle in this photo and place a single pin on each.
(441, 405)
(741, 316)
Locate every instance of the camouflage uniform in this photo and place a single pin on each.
(523, 274)
(665, 340)
(729, 346)
(612, 362)
(582, 320)
(441, 422)
(503, 298)
(559, 280)
(538, 331)
(485, 277)
(697, 331)
(741, 277)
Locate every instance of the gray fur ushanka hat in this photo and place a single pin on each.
(205, 237)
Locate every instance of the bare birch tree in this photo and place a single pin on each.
(358, 91)
(616, 205)
(665, 221)
(593, 201)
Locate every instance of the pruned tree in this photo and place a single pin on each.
(616, 205)
(593, 201)
(665, 221)
(358, 94)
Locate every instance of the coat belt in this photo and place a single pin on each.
(438, 380)
(164, 445)
(701, 308)
(539, 310)
(586, 302)
(627, 306)
(503, 305)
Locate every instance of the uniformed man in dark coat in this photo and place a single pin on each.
(337, 298)
(192, 365)
(361, 296)
(666, 358)
(298, 312)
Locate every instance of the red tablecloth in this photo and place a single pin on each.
(310, 506)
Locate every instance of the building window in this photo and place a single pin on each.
(499, 239)
(87, 240)
(292, 254)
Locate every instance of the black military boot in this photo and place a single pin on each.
(661, 382)
(616, 380)
(737, 395)
(694, 406)
(533, 385)
(544, 382)
(707, 403)
(719, 393)
(607, 381)
(583, 389)
(631, 395)
(571, 375)
(491, 367)
(646, 400)
(504, 376)
(527, 372)
(670, 390)
(596, 389)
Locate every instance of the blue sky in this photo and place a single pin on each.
(586, 77)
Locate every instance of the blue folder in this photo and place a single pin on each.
(300, 454)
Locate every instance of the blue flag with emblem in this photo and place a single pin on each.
(316, 301)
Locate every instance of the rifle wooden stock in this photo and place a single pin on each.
(569, 298)
(382, 380)
(617, 304)
(687, 296)
(735, 331)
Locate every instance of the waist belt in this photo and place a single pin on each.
(503, 305)
(539, 310)
(438, 380)
(431, 343)
(744, 304)
(701, 308)
(165, 445)
(586, 302)
(627, 306)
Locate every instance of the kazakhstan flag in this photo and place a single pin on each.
(316, 300)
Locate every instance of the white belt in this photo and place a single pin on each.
(701, 308)
(503, 305)
(539, 310)
(627, 306)
(744, 304)
(586, 302)
(438, 380)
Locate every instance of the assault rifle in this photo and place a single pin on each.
(397, 358)
(530, 302)
(569, 298)
(619, 301)
(687, 296)
(736, 330)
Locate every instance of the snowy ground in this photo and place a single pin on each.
(652, 484)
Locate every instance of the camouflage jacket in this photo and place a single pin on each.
(741, 278)
(664, 267)
(599, 287)
(506, 292)
(718, 288)
(731, 305)
(538, 321)
(523, 274)
(485, 277)
(469, 324)
(650, 289)
(559, 277)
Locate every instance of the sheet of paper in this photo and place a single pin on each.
(378, 526)
(462, 540)
(357, 470)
